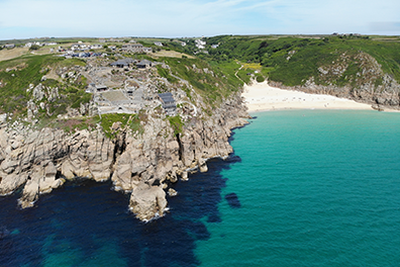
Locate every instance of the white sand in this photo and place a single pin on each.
(262, 97)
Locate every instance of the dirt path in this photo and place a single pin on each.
(238, 76)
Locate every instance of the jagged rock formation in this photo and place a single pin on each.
(32, 158)
(140, 163)
(158, 156)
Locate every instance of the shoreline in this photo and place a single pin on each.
(260, 97)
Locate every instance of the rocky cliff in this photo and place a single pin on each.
(145, 164)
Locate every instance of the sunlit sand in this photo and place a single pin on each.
(262, 97)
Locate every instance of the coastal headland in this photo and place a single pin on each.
(145, 113)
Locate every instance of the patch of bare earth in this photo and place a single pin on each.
(53, 75)
(165, 53)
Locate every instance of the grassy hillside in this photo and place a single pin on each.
(212, 81)
(18, 78)
(293, 60)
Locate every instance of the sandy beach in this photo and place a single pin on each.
(262, 97)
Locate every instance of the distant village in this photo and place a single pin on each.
(81, 49)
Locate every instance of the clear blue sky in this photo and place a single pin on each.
(187, 18)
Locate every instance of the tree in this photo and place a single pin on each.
(34, 47)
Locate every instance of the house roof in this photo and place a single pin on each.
(101, 86)
(166, 97)
(123, 62)
(127, 60)
(144, 62)
(119, 63)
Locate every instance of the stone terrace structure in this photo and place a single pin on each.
(117, 102)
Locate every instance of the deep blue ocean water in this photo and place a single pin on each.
(303, 188)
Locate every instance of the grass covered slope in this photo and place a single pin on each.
(301, 57)
(212, 82)
(22, 78)
(361, 64)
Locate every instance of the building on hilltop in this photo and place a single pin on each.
(96, 46)
(92, 88)
(123, 63)
(9, 46)
(200, 44)
(136, 48)
(168, 103)
(147, 49)
(144, 64)
(101, 88)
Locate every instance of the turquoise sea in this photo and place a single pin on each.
(303, 188)
(316, 188)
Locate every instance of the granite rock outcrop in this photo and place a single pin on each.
(142, 164)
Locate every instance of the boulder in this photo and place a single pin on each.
(148, 202)
(184, 176)
(172, 192)
(202, 165)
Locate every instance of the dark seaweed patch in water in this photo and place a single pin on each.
(3, 232)
(233, 200)
(87, 224)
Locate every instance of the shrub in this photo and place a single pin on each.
(176, 123)
(34, 47)
(260, 78)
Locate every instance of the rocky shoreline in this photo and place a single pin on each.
(143, 164)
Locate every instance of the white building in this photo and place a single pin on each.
(200, 44)
(96, 46)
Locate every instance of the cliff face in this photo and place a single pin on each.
(32, 159)
(144, 164)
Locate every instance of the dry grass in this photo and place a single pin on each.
(252, 66)
(165, 53)
(44, 50)
(7, 54)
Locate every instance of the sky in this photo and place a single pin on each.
(193, 18)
